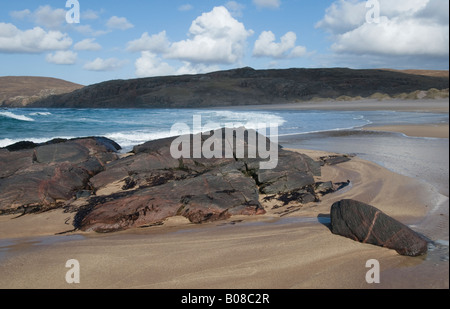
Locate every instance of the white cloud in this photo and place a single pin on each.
(44, 16)
(50, 18)
(87, 44)
(100, 64)
(185, 7)
(389, 38)
(236, 9)
(343, 16)
(215, 38)
(265, 46)
(62, 57)
(89, 15)
(406, 28)
(297, 52)
(36, 40)
(120, 23)
(272, 4)
(87, 30)
(150, 64)
(20, 14)
(157, 43)
(199, 68)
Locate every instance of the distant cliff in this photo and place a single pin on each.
(244, 86)
(21, 91)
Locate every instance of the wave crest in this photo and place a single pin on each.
(16, 117)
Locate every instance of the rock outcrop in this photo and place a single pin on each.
(367, 224)
(109, 192)
(36, 177)
(155, 186)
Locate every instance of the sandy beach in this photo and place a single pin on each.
(271, 251)
(434, 106)
(431, 130)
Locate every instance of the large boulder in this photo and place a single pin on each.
(367, 224)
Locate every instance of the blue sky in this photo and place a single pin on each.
(131, 39)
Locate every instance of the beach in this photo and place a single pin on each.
(400, 169)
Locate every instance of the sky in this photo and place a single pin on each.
(88, 42)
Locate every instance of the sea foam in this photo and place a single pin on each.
(14, 116)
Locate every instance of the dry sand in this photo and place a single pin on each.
(273, 251)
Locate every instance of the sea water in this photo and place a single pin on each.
(130, 127)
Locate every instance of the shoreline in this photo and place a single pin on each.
(294, 251)
(427, 105)
(423, 130)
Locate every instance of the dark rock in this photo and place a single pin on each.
(50, 174)
(333, 160)
(200, 189)
(150, 185)
(323, 188)
(209, 197)
(21, 146)
(367, 224)
(303, 196)
(11, 162)
(83, 194)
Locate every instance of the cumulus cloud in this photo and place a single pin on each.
(87, 44)
(50, 18)
(150, 64)
(157, 43)
(272, 4)
(44, 16)
(215, 38)
(100, 64)
(343, 16)
(62, 57)
(389, 38)
(405, 28)
(265, 46)
(36, 40)
(199, 68)
(120, 23)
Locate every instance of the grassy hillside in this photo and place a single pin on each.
(20, 91)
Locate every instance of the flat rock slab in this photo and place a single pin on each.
(367, 224)
(211, 196)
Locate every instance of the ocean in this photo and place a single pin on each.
(130, 127)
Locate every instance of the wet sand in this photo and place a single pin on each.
(431, 130)
(274, 251)
(432, 106)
